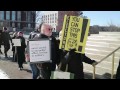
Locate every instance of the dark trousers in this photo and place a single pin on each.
(45, 73)
(77, 70)
(118, 71)
(20, 59)
(20, 64)
(46, 69)
(6, 48)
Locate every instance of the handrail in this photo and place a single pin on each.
(113, 52)
(108, 55)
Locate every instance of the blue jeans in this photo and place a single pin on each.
(35, 70)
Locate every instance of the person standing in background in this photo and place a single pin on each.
(6, 38)
(20, 51)
(1, 41)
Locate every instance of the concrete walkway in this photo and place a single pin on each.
(9, 70)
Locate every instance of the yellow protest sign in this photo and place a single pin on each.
(64, 32)
(84, 35)
(74, 33)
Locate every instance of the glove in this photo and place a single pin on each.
(94, 63)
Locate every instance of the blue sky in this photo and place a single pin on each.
(103, 18)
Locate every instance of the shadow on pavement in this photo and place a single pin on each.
(97, 76)
(29, 71)
(4, 58)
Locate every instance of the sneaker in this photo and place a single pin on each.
(20, 69)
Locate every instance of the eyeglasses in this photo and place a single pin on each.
(50, 29)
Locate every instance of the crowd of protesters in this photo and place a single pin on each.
(43, 70)
(18, 52)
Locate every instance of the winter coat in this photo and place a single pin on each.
(21, 49)
(6, 38)
(75, 63)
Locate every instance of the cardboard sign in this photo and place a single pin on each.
(16, 42)
(39, 51)
(74, 33)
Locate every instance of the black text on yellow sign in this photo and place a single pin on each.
(74, 33)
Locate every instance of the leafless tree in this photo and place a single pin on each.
(38, 16)
(113, 27)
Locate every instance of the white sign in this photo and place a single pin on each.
(39, 51)
(16, 42)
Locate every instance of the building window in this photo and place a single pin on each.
(32, 16)
(29, 17)
(1, 15)
(48, 17)
(1, 23)
(7, 15)
(13, 24)
(13, 15)
(18, 25)
(55, 17)
(29, 25)
(19, 16)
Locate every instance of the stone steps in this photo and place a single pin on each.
(105, 40)
(97, 47)
(103, 44)
(101, 48)
(104, 52)
(100, 70)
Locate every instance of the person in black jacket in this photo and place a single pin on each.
(6, 38)
(118, 71)
(1, 41)
(47, 67)
(20, 52)
(74, 61)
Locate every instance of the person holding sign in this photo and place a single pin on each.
(46, 33)
(75, 62)
(20, 51)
